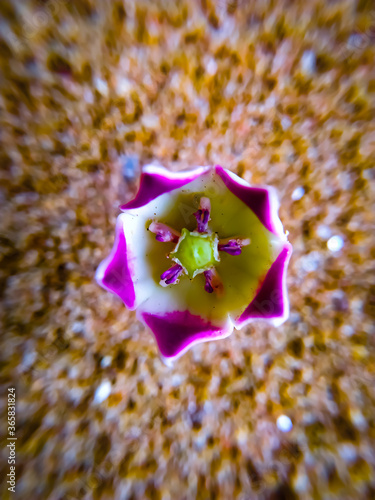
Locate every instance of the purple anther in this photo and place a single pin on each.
(213, 282)
(163, 232)
(233, 247)
(203, 215)
(171, 275)
(208, 285)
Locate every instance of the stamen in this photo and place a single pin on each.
(203, 214)
(163, 232)
(213, 282)
(233, 246)
(170, 276)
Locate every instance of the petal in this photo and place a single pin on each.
(114, 274)
(177, 331)
(262, 201)
(156, 181)
(271, 301)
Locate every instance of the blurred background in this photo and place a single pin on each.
(280, 92)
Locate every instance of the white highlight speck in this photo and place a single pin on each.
(284, 423)
(106, 361)
(176, 380)
(356, 305)
(73, 372)
(308, 62)
(103, 391)
(88, 96)
(358, 419)
(101, 86)
(311, 261)
(78, 327)
(335, 243)
(211, 67)
(368, 174)
(270, 102)
(301, 483)
(347, 330)
(230, 89)
(200, 441)
(285, 122)
(150, 121)
(298, 193)
(242, 436)
(208, 407)
(356, 41)
(135, 432)
(348, 453)
(123, 86)
(29, 358)
(312, 153)
(75, 394)
(324, 232)
(192, 407)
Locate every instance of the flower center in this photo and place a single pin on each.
(196, 252)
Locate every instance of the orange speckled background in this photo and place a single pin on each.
(280, 92)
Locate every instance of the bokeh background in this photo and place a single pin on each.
(280, 92)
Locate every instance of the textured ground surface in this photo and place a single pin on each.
(282, 95)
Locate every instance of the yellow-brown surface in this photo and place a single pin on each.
(282, 93)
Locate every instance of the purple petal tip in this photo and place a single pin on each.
(176, 331)
(271, 301)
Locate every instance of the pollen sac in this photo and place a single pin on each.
(171, 275)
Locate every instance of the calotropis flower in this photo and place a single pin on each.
(198, 253)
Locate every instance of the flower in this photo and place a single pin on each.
(198, 253)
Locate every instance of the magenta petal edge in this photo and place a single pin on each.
(156, 181)
(176, 332)
(113, 273)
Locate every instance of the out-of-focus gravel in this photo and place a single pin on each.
(282, 93)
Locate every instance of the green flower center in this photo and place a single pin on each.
(196, 252)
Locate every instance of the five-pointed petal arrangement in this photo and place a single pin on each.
(198, 253)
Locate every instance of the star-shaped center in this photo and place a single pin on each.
(197, 251)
